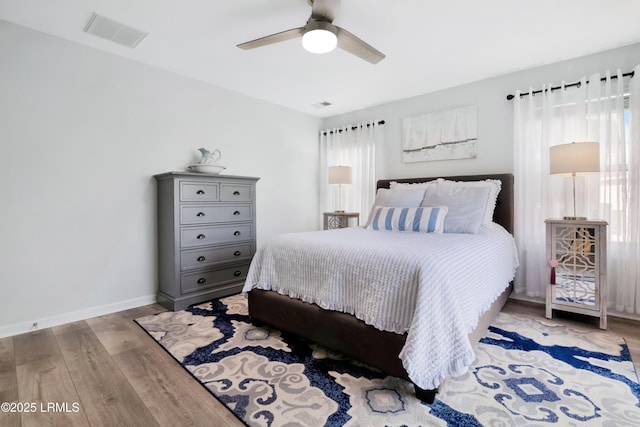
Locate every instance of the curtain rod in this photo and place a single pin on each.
(510, 96)
(381, 122)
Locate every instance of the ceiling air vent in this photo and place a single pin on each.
(321, 104)
(114, 31)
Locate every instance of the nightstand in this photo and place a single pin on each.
(580, 250)
(340, 219)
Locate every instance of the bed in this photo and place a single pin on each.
(404, 345)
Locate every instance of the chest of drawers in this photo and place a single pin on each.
(206, 236)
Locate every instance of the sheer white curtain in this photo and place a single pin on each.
(599, 111)
(629, 296)
(358, 146)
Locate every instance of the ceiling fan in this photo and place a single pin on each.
(319, 35)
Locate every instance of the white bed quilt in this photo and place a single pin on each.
(432, 286)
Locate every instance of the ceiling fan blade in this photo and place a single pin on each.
(324, 10)
(273, 38)
(357, 47)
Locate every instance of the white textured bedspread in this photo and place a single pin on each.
(432, 286)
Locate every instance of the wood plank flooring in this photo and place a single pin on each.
(107, 371)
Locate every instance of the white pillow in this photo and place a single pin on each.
(394, 185)
(404, 198)
(494, 185)
(422, 219)
(467, 206)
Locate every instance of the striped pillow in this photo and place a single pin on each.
(425, 219)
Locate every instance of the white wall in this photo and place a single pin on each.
(82, 133)
(495, 113)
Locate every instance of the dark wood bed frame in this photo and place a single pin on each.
(351, 336)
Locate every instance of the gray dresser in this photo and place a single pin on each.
(206, 236)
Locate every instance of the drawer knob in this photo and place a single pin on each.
(236, 213)
(200, 192)
(237, 253)
(201, 280)
(201, 236)
(237, 273)
(200, 214)
(237, 233)
(236, 193)
(201, 258)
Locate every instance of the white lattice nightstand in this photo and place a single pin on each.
(579, 248)
(340, 219)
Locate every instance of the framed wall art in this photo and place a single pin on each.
(441, 135)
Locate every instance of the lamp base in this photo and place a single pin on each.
(575, 218)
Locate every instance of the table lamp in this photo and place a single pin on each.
(339, 175)
(576, 158)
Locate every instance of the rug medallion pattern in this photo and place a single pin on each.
(527, 373)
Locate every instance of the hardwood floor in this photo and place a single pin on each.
(107, 371)
(104, 371)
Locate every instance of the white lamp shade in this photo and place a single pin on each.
(319, 37)
(339, 174)
(574, 159)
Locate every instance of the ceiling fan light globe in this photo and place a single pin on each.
(319, 41)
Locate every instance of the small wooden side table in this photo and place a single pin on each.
(340, 219)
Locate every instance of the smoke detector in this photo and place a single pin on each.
(115, 31)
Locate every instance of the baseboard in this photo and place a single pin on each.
(74, 316)
(523, 297)
(610, 311)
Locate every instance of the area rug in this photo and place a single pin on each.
(527, 373)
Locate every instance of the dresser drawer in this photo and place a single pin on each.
(191, 282)
(201, 236)
(199, 191)
(207, 214)
(236, 193)
(198, 258)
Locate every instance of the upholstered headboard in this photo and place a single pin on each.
(503, 213)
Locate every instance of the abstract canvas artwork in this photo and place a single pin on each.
(441, 135)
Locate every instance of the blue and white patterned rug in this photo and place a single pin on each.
(527, 373)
